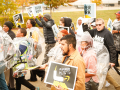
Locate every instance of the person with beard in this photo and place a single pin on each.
(66, 22)
(46, 22)
(8, 74)
(73, 58)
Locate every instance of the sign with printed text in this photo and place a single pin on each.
(18, 18)
(61, 74)
(29, 11)
(109, 25)
(35, 10)
(55, 30)
(90, 10)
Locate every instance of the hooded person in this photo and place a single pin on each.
(66, 22)
(90, 58)
(7, 28)
(79, 30)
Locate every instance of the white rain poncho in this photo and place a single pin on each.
(30, 31)
(102, 62)
(102, 58)
(6, 50)
(80, 28)
(55, 54)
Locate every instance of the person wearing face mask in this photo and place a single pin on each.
(89, 56)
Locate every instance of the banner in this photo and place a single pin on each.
(62, 28)
(35, 10)
(109, 25)
(90, 10)
(18, 19)
(61, 74)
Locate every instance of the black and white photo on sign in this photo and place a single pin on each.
(29, 11)
(62, 28)
(18, 18)
(37, 9)
(55, 30)
(61, 74)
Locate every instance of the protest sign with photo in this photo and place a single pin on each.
(29, 11)
(18, 19)
(35, 10)
(90, 10)
(61, 74)
(55, 30)
(109, 25)
(62, 28)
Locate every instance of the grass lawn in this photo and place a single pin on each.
(105, 14)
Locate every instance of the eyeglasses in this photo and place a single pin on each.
(98, 24)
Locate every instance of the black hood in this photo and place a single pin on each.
(67, 22)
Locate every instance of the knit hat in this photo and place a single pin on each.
(9, 24)
(47, 16)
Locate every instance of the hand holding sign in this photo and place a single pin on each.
(40, 16)
(58, 87)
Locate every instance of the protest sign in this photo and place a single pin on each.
(29, 11)
(109, 25)
(61, 74)
(35, 10)
(90, 10)
(62, 28)
(55, 30)
(18, 19)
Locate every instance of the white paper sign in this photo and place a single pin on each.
(18, 18)
(55, 30)
(35, 10)
(90, 10)
(62, 28)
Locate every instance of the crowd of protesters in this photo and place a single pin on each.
(75, 48)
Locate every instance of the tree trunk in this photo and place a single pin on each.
(50, 10)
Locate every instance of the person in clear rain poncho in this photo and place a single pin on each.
(89, 56)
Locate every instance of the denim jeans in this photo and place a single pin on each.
(3, 85)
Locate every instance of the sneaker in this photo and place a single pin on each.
(37, 88)
(107, 84)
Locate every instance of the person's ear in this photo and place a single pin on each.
(22, 34)
(70, 46)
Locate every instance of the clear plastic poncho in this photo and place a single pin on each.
(102, 55)
(102, 62)
(55, 54)
(6, 50)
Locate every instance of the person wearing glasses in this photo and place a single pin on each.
(103, 35)
(116, 35)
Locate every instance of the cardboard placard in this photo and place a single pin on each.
(61, 74)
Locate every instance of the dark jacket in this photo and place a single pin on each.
(107, 38)
(47, 30)
(11, 34)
